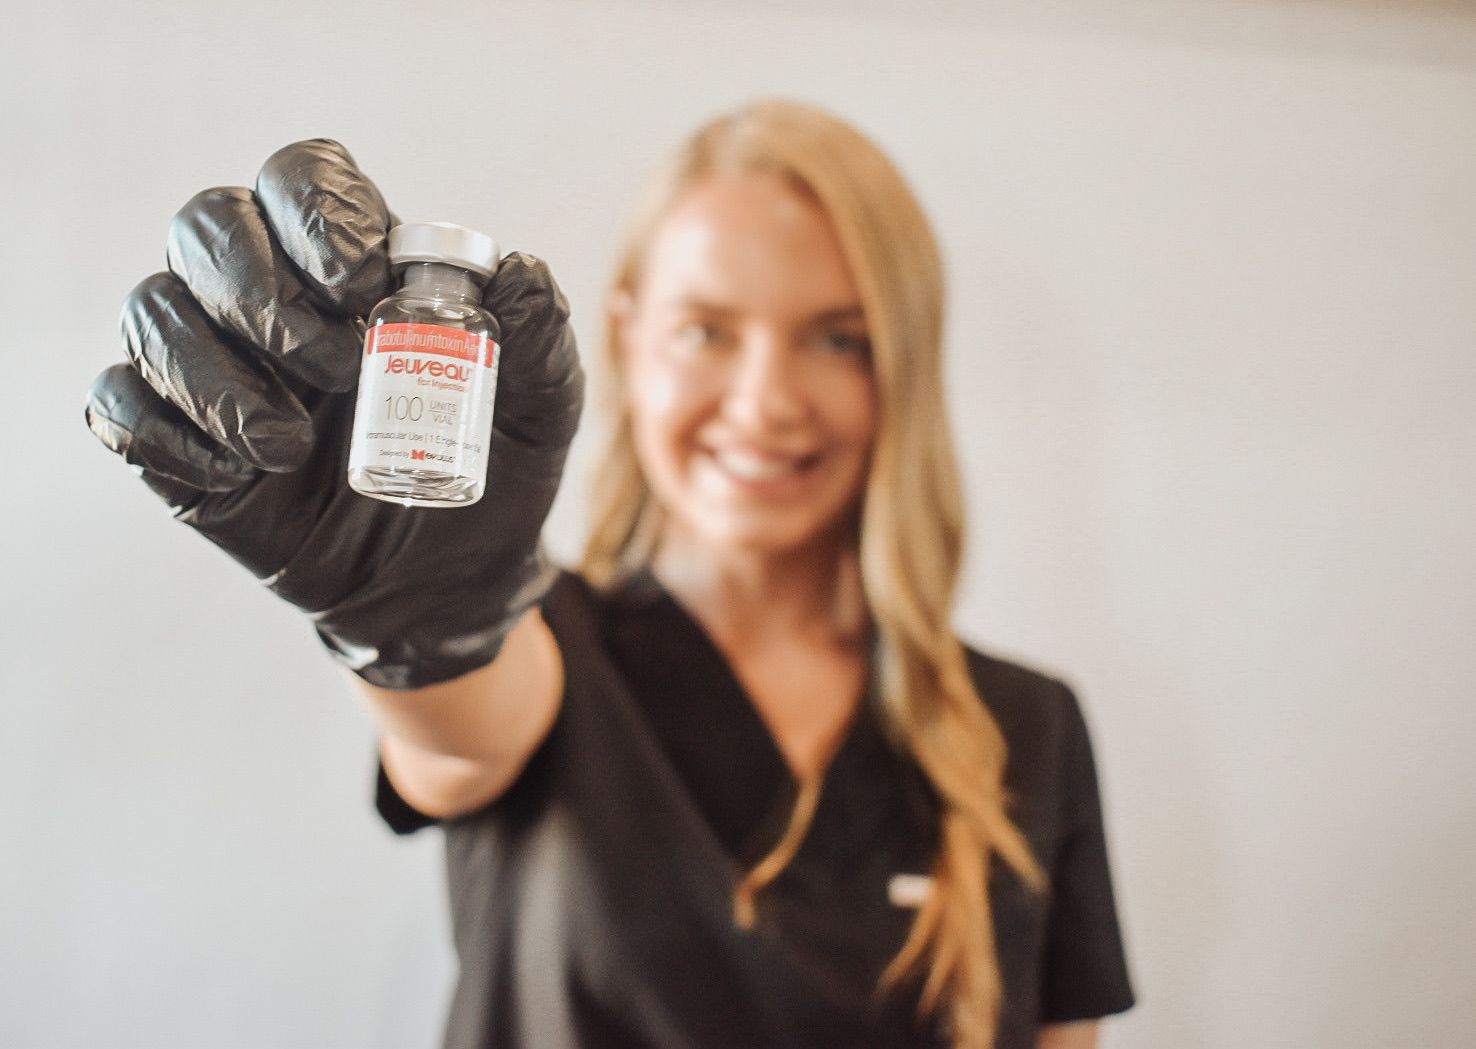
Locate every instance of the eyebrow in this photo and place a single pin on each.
(692, 302)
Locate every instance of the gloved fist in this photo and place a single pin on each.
(237, 399)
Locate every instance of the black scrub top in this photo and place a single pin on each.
(592, 901)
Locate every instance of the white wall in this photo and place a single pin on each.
(1214, 384)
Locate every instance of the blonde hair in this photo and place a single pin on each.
(910, 537)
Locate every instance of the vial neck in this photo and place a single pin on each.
(440, 280)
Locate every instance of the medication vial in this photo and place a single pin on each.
(423, 415)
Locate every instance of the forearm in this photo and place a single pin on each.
(457, 743)
(1079, 1035)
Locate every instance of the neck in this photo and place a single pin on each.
(747, 597)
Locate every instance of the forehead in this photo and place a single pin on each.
(751, 243)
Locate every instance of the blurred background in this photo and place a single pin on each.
(1212, 368)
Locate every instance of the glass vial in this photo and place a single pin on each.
(423, 415)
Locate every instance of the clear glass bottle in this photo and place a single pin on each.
(423, 415)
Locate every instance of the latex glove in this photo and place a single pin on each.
(236, 403)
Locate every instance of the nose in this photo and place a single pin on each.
(765, 389)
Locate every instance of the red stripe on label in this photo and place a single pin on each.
(434, 339)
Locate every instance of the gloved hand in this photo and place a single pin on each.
(236, 403)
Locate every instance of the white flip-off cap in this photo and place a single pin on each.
(443, 242)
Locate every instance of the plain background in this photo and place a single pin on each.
(1212, 368)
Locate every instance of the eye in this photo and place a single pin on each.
(697, 333)
(848, 343)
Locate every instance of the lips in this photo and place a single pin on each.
(761, 471)
(747, 465)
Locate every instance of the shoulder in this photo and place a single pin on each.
(572, 591)
(577, 613)
(591, 622)
(569, 586)
(1030, 705)
(572, 605)
(1049, 765)
(577, 609)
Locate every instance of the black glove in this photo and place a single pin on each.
(236, 405)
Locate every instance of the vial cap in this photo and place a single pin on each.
(443, 242)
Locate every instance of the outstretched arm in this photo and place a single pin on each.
(454, 746)
(1079, 1035)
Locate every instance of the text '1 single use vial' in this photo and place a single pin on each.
(423, 416)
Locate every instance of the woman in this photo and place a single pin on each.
(735, 782)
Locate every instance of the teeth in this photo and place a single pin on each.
(752, 468)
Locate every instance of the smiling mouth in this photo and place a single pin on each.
(760, 469)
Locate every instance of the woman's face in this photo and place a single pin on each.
(747, 369)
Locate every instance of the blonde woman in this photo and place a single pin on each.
(734, 781)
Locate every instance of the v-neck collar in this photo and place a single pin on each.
(710, 727)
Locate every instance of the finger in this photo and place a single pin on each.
(224, 391)
(180, 496)
(220, 247)
(156, 438)
(330, 220)
(539, 360)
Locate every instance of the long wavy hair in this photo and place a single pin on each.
(910, 532)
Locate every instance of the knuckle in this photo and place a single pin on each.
(530, 279)
(142, 317)
(206, 206)
(306, 152)
(138, 302)
(162, 285)
(109, 384)
(330, 219)
(107, 408)
(209, 216)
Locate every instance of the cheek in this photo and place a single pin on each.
(853, 410)
(666, 403)
(661, 393)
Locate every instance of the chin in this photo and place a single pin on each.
(768, 538)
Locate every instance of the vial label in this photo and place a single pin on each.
(425, 400)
